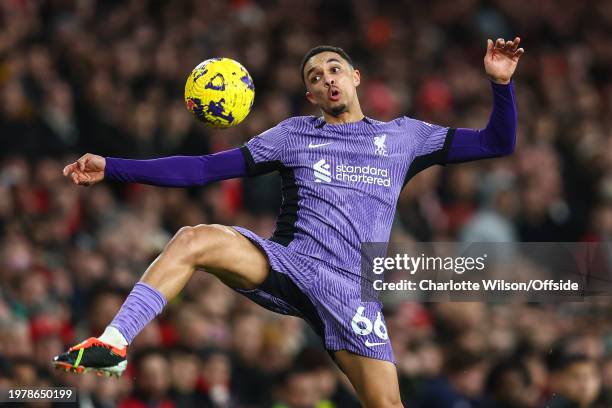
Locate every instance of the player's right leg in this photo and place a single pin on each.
(375, 381)
(218, 249)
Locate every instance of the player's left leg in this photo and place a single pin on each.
(218, 249)
(374, 380)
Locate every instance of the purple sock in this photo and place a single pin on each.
(141, 306)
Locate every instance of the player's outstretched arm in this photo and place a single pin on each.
(87, 170)
(501, 59)
(498, 138)
(174, 171)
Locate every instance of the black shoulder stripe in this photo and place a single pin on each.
(255, 169)
(438, 157)
(450, 135)
(285, 223)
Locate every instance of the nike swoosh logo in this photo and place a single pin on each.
(319, 145)
(367, 343)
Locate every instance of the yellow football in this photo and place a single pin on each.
(219, 92)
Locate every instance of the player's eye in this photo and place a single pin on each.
(315, 78)
(335, 69)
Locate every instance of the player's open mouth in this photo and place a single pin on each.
(333, 94)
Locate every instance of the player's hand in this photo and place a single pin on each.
(88, 170)
(501, 59)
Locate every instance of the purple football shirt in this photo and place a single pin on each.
(341, 182)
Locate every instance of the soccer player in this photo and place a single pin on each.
(342, 174)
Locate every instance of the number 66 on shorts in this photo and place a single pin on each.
(363, 326)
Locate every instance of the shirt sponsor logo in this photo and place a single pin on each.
(322, 172)
(351, 174)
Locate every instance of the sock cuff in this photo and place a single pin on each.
(151, 293)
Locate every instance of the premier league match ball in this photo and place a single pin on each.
(219, 92)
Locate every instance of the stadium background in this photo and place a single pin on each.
(107, 77)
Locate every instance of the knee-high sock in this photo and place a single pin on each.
(140, 307)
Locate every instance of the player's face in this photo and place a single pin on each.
(331, 82)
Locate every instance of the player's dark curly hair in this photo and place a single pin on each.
(319, 49)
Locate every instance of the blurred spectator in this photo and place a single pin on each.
(574, 380)
(333, 387)
(216, 378)
(463, 383)
(509, 386)
(153, 381)
(185, 373)
(298, 388)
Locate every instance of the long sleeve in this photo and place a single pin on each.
(178, 171)
(495, 140)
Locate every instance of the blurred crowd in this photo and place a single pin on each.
(107, 77)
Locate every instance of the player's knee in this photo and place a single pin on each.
(181, 238)
(193, 244)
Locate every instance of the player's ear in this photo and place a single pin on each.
(356, 77)
(310, 98)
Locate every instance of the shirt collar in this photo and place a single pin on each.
(321, 121)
